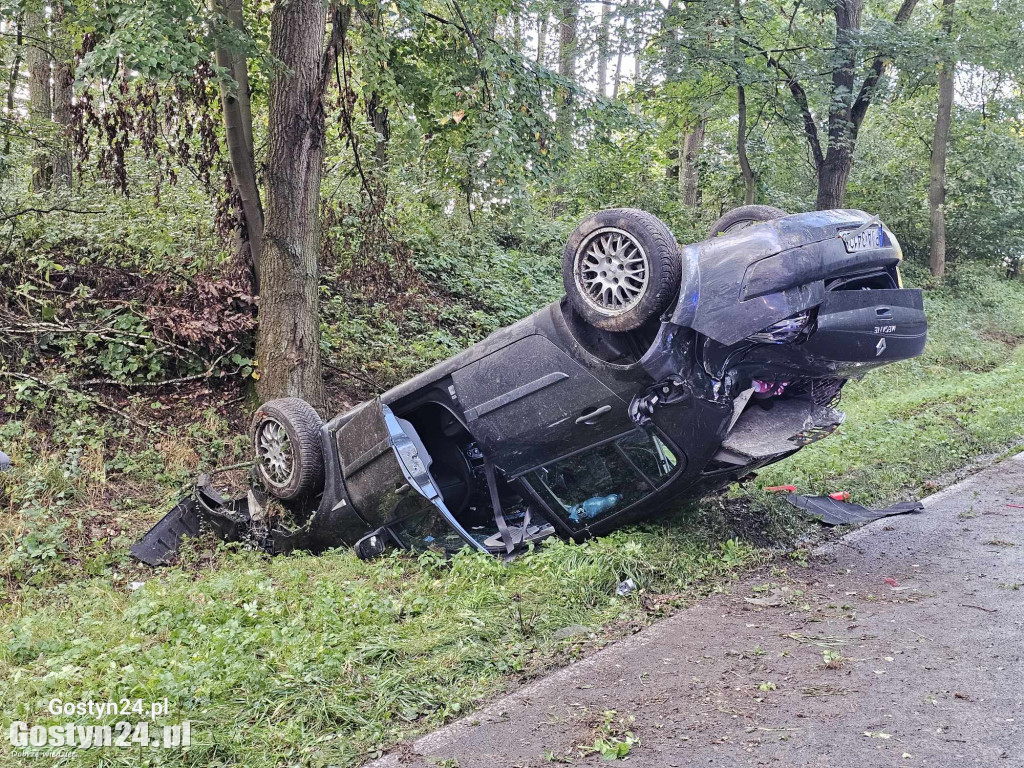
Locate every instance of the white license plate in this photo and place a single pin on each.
(867, 240)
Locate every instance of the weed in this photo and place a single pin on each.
(613, 737)
(832, 659)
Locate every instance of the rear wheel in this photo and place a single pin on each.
(620, 268)
(743, 217)
(286, 441)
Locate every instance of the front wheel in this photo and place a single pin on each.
(289, 456)
(620, 268)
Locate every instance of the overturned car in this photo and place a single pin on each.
(664, 373)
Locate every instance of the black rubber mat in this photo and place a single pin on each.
(827, 510)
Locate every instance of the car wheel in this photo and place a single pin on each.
(289, 455)
(620, 268)
(743, 217)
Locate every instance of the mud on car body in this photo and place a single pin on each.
(664, 373)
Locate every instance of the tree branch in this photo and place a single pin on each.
(800, 97)
(878, 67)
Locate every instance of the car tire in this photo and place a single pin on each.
(288, 452)
(743, 217)
(642, 268)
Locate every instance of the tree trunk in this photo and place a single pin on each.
(689, 177)
(240, 71)
(749, 185)
(12, 85)
(40, 107)
(602, 49)
(63, 83)
(288, 343)
(542, 36)
(238, 136)
(617, 80)
(833, 174)
(940, 143)
(566, 63)
(377, 114)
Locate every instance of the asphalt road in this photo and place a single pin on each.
(922, 616)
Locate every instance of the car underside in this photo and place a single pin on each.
(665, 373)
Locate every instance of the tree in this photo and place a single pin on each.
(749, 183)
(40, 105)
(602, 48)
(940, 143)
(689, 178)
(63, 82)
(569, 13)
(12, 82)
(847, 104)
(288, 340)
(238, 129)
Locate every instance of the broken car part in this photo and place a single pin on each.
(832, 511)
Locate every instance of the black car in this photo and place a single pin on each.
(664, 373)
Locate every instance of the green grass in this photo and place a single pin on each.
(327, 660)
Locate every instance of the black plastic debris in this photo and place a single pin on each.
(163, 540)
(829, 511)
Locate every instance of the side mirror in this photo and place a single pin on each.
(373, 545)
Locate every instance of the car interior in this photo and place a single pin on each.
(456, 464)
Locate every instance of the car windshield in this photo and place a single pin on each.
(604, 480)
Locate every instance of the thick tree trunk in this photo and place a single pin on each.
(833, 174)
(602, 49)
(690, 177)
(288, 344)
(834, 170)
(940, 144)
(238, 136)
(749, 184)
(63, 83)
(39, 107)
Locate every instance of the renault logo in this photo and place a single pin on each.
(880, 347)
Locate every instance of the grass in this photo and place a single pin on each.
(327, 660)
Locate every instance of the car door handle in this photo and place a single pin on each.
(590, 418)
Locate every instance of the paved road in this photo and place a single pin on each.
(925, 611)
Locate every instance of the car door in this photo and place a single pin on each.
(530, 402)
(387, 477)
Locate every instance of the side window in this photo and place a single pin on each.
(604, 480)
(651, 456)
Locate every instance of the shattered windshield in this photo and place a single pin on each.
(604, 480)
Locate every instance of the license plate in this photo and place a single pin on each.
(867, 240)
